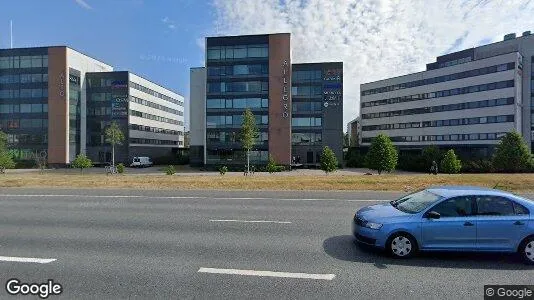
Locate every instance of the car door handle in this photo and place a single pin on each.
(519, 223)
(469, 224)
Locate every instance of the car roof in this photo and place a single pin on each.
(458, 190)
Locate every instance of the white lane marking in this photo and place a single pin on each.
(27, 259)
(252, 221)
(267, 273)
(195, 197)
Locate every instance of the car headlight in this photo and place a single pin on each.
(372, 225)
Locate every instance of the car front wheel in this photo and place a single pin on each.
(402, 245)
(527, 251)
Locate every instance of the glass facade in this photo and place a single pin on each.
(237, 79)
(74, 113)
(24, 100)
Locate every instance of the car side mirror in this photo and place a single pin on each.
(432, 215)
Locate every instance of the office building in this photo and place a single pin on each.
(45, 96)
(354, 129)
(298, 107)
(466, 100)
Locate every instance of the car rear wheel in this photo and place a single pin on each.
(402, 245)
(527, 251)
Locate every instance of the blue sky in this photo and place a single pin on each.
(155, 39)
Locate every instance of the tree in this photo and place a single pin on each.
(328, 160)
(382, 155)
(81, 162)
(249, 134)
(114, 136)
(346, 140)
(430, 154)
(450, 163)
(512, 154)
(6, 159)
(271, 165)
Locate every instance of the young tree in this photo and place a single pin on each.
(382, 155)
(512, 154)
(6, 159)
(81, 162)
(271, 165)
(450, 163)
(114, 136)
(328, 160)
(249, 134)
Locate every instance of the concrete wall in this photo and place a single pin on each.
(197, 115)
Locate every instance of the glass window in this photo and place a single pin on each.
(214, 54)
(520, 209)
(240, 52)
(37, 108)
(37, 62)
(25, 108)
(415, 202)
(455, 207)
(25, 62)
(494, 206)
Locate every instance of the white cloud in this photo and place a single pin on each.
(83, 4)
(376, 39)
(169, 23)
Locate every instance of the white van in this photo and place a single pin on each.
(141, 161)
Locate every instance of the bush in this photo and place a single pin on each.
(512, 154)
(223, 170)
(450, 163)
(382, 155)
(170, 170)
(328, 160)
(271, 165)
(355, 159)
(120, 168)
(81, 162)
(6, 161)
(431, 154)
(413, 162)
(478, 166)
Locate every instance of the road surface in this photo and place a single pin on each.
(217, 244)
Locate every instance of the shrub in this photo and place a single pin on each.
(6, 161)
(223, 170)
(271, 165)
(512, 154)
(382, 155)
(430, 154)
(120, 168)
(450, 163)
(170, 170)
(328, 160)
(81, 162)
(477, 166)
(354, 158)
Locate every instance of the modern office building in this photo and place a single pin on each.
(354, 130)
(296, 116)
(45, 96)
(466, 100)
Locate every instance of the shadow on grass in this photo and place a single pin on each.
(343, 247)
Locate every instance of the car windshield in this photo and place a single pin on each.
(136, 160)
(415, 202)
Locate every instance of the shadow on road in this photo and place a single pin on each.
(344, 248)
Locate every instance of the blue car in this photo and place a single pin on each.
(449, 218)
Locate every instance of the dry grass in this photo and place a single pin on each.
(511, 182)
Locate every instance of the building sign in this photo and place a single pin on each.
(73, 79)
(119, 84)
(119, 105)
(285, 89)
(332, 74)
(62, 84)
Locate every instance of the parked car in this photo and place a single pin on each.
(141, 161)
(449, 218)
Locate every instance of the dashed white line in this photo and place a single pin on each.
(252, 221)
(267, 273)
(27, 259)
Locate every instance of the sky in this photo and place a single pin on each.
(161, 40)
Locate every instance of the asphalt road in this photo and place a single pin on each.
(152, 244)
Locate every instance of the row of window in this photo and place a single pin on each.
(307, 106)
(155, 94)
(446, 137)
(236, 70)
(15, 62)
(238, 52)
(312, 75)
(221, 121)
(441, 108)
(26, 138)
(306, 122)
(238, 103)
(155, 118)
(463, 206)
(238, 87)
(441, 123)
(233, 137)
(23, 108)
(23, 78)
(306, 138)
(154, 129)
(443, 78)
(155, 105)
(444, 93)
(154, 142)
(105, 82)
(307, 90)
(23, 93)
(99, 111)
(23, 123)
(231, 155)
